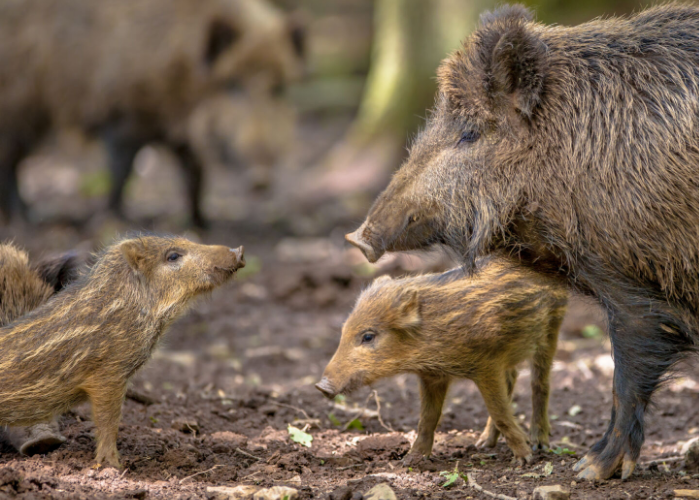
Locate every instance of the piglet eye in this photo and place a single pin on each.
(173, 256)
(468, 137)
(368, 337)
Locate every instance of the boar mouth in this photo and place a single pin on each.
(328, 389)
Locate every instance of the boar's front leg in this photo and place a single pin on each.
(432, 397)
(489, 437)
(494, 390)
(107, 400)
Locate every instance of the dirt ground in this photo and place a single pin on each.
(213, 407)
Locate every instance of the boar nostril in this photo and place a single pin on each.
(326, 388)
(367, 250)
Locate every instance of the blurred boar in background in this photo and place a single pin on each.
(131, 72)
(244, 128)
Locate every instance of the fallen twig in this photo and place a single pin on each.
(293, 408)
(249, 455)
(661, 460)
(473, 484)
(199, 473)
(350, 467)
(358, 413)
(379, 412)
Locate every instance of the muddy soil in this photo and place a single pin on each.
(213, 407)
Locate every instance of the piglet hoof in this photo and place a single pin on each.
(413, 459)
(540, 445)
(108, 460)
(522, 461)
(486, 441)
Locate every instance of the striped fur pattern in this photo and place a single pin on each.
(451, 325)
(86, 342)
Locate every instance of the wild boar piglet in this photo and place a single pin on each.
(86, 342)
(451, 325)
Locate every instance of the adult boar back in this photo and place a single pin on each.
(575, 148)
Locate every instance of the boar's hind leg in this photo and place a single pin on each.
(193, 179)
(121, 149)
(541, 366)
(647, 342)
(106, 403)
(494, 390)
(432, 397)
(11, 154)
(489, 437)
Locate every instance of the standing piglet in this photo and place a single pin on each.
(89, 340)
(446, 326)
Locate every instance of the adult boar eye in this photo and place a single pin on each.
(368, 337)
(469, 137)
(173, 256)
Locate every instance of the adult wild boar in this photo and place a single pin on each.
(131, 72)
(575, 148)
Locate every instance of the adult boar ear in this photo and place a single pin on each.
(221, 35)
(518, 67)
(135, 254)
(409, 310)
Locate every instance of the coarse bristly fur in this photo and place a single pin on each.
(576, 150)
(452, 325)
(23, 288)
(86, 342)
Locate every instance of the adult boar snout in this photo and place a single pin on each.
(326, 388)
(367, 249)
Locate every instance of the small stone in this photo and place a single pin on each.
(276, 493)
(686, 493)
(342, 493)
(188, 426)
(380, 492)
(553, 492)
(229, 493)
(231, 438)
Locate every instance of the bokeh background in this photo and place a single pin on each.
(300, 157)
(295, 142)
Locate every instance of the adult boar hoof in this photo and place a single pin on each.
(628, 466)
(583, 463)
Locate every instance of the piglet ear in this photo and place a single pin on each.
(382, 280)
(409, 309)
(135, 254)
(519, 67)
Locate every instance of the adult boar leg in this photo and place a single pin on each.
(647, 341)
(11, 154)
(489, 437)
(193, 180)
(432, 397)
(494, 390)
(121, 148)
